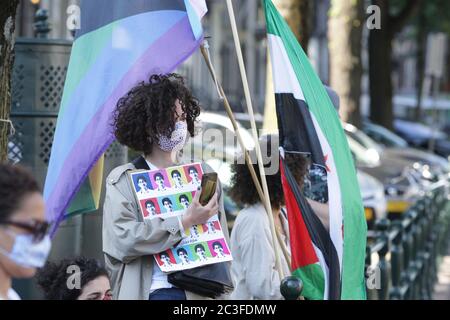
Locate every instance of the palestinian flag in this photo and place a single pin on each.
(330, 263)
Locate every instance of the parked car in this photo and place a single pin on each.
(433, 166)
(420, 135)
(401, 187)
(202, 148)
(373, 197)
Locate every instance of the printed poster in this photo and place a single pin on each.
(164, 193)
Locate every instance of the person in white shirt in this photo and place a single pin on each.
(159, 179)
(167, 204)
(184, 201)
(253, 267)
(24, 242)
(176, 177)
(150, 207)
(183, 255)
(143, 186)
(211, 227)
(201, 253)
(193, 174)
(165, 259)
(218, 249)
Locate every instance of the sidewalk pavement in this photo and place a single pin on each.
(442, 287)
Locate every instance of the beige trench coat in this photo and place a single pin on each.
(129, 242)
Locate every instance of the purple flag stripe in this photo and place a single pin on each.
(163, 56)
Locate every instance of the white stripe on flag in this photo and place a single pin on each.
(200, 7)
(326, 272)
(285, 81)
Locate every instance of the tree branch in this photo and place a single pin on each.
(397, 22)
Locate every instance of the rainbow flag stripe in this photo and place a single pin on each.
(120, 43)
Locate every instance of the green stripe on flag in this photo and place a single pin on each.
(84, 54)
(313, 281)
(84, 201)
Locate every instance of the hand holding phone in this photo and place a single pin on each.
(204, 204)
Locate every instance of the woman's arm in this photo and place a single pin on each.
(322, 212)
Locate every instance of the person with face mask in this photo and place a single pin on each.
(154, 118)
(24, 242)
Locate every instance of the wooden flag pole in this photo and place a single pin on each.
(245, 152)
(230, 114)
(255, 134)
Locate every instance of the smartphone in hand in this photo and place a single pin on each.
(209, 184)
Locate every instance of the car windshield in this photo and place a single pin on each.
(363, 156)
(418, 130)
(362, 138)
(384, 136)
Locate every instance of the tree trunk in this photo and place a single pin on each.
(298, 16)
(344, 38)
(7, 25)
(420, 67)
(380, 59)
(380, 69)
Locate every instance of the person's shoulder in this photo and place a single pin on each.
(253, 216)
(117, 173)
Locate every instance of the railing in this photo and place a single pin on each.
(402, 258)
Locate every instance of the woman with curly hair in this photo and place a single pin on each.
(253, 267)
(74, 279)
(154, 118)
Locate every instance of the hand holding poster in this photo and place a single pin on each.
(168, 192)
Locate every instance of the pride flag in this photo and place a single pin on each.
(120, 43)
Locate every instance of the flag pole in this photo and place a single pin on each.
(245, 151)
(230, 114)
(254, 133)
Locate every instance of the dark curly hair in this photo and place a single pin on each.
(16, 183)
(243, 190)
(52, 278)
(147, 111)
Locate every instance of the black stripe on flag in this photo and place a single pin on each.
(98, 13)
(319, 236)
(296, 128)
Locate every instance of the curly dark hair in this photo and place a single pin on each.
(243, 190)
(147, 111)
(52, 278)
(16, 182)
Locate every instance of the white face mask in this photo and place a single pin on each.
(176, 141)
(27, 253)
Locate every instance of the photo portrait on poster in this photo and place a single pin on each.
(165, 193)
(211, 227)
(218, 248)
(184, 200)
(177, 178)
(201, 251)
(150, 208)
(166, 259)
(160, 180)
(142, 185)
(193, 174)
